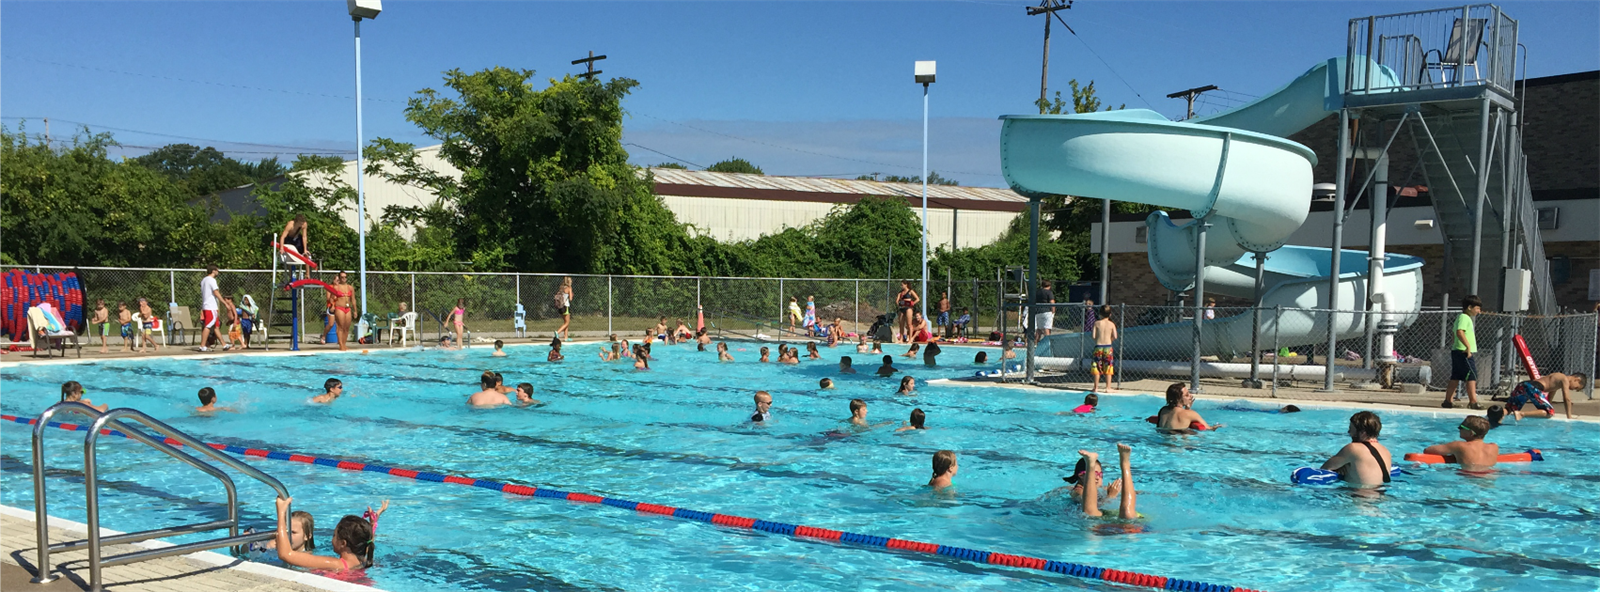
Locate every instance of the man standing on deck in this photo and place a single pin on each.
(1044, 319)
(210, 307)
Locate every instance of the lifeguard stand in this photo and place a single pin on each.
(290, 325)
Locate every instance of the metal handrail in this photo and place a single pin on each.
(103, 421)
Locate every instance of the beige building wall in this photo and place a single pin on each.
(729, 219)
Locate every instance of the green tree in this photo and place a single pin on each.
(545, 184)
(1083, 101)
(671, 165)
(206, 170)
(933, 179)
(735, 165)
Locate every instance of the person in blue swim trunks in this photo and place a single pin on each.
(1537, 392)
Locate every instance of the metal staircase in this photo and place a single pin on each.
(109, 421)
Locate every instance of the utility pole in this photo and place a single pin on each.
(47, 131)
(1190, 96)
(589, 61)
(1047, 9)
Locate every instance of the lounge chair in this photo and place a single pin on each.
(1460, 53)
(40, 325)
(182, 325)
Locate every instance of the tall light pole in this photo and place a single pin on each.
(360, 9)
(924, 73)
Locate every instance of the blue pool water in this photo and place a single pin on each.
(1219, 506)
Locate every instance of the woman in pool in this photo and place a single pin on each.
(352, 542)
(1086, 478)
(908, 386)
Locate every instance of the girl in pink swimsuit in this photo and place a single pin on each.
(460, 317)
(352, 542)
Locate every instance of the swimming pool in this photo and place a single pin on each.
(1219, 506)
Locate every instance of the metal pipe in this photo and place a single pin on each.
(1378, 207)
(1338, 240)
(361, 191)
(1031, 331)
(1122, 317)
(142, 535)
(1105, 248)
(1483, 181)
(1199, 299)
(924, 299)
(1255, 330)
(1277, 324)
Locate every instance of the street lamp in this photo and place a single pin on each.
(360, 9)
(924, 74)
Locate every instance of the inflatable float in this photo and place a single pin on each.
(1532, 454)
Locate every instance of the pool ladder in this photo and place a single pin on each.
(92, 486)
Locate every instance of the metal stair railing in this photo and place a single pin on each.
(94, 542)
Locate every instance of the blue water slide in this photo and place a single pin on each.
(1234, 169)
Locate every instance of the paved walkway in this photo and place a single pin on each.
(207, 571)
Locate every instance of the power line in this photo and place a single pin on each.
(214, 141)
(1103, 61)
(674, 158)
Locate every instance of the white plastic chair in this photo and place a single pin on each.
(406, 324)
(520, 324)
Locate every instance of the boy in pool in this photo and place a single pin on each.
(917, 419)
(489, 396)
(826, 383)
(1086, 479)
(1539, 390)
(499, 349)
(846, 365)
(525, 395)
(763, 407)
(1178, 416)
(858, 412)
(930, 355)
(208, 402)
(887, 369)
(1471, 452)
(944, 469)
(1363, 462)
(555, 350)
(72, 391)
(765, 353)
(1495, 415)
(332, 388)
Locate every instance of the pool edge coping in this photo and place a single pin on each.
(207, 557)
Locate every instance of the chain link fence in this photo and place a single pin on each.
(1288, 355)
(601, 304)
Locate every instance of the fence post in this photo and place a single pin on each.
(609, 330)
(414, 301)
(1122, 317)
(858, 305)
(1277, 325)
(697, 292)
(779, 330)
(172, 286)
(1594, 335)
(518, 277)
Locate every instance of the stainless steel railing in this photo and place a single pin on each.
(94, 542)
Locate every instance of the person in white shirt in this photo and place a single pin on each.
(210, 307)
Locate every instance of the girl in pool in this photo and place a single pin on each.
(352, 542)
(908, 386)
(811, 351)
(1086, 478)
(912, 352)
(459, 317)
(861, 344)
(722, 353)
(641, 358)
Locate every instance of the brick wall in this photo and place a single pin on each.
(1583, 257)
(1562, 130)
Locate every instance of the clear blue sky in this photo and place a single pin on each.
(799, 88)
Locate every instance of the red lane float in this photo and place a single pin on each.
(1531, 455)
(318, 283)
(293, 254)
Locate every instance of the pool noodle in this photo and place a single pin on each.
(1532, 454)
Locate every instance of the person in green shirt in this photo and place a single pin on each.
(1464, 345)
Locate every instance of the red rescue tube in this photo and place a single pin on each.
(319, 283)
(1531, 455)
(306, 261)
(1527, 358)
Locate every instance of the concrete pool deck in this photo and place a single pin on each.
(205, 570)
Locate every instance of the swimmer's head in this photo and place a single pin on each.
(914, 348)
(333, 386)
(71, 391)
(1290, 409)
(764, 351)
(524, 392)
(981, 358)
(907, 384)
(845, 362)
(826, 383)
(1080, 472)
(555, 343)
(1175, 394)
(498, 344)
(858, 408)
(888, 360)
(1365, 426)
(1473, 428)
(486, 381)
(1496, 413)
(499, 379)
(763, 401)
(354, 535)
(944, 463)
(1091, 399)
(917, 418)
(302, 531)
(208, 396)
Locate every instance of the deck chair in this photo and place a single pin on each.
(405, 325)
(39, 326)
(1461, 51)
(520, 322)
(181, 323)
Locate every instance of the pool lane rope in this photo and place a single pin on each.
(792, 530)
